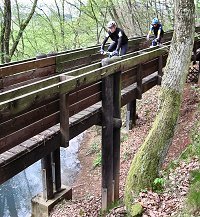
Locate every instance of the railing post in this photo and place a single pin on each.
(107, 141)
(56, 170)
(64, 116)
(131, 115)
(160, 71)
(139, 81)
(47, 177)
(116, 133)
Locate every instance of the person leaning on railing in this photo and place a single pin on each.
(119, 45)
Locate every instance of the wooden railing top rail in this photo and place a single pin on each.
(32, 63)
(18, 67)
(19, 101)
(131, 40)
(55, 79)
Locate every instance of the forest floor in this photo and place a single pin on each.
(87, 187)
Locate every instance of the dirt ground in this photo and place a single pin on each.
(87, 187)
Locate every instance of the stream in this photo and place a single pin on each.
(16, 193)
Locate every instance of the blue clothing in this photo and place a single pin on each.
(155, 29)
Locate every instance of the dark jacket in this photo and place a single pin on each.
(156, 28)
(117, 36)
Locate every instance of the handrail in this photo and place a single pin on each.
(20, 102)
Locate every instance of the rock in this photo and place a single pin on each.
(109, 60)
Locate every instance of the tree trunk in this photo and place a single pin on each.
(148, 160)
(6, 49)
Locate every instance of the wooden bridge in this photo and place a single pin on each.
(48, 100)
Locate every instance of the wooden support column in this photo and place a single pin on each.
(160, 69)
(64, 116)
(47, 178)
(194, 56)
(131, 115)
(56, 170)
(107, 142)
(199, 74)
(139, 81)
(1, 83)
(116, 133)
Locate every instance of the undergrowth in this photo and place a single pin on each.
(192, 204)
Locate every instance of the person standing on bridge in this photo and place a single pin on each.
(119, 45)
(157, 29)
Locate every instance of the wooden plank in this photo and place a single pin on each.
(28, 118)
(131, 115)
(160, 69)
(23, 134)
(107, 142)
(116, 134)
(43, 83)
(56, 167)
(84, 92)
(22, 102)
(54, 79)
(47, 178)
(81, 125)
(28, 76)
(23, 128)
(76, 95)
(34, 154)
(139, 81)
(25, 66)
(64, 117)
(129, 77)
(149, 67)
(89, 101)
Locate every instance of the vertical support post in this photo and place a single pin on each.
(47, 178)
(107, 141)
(131, 115)
(160, 71)
(194, 53)
(64, 116)
(199, 74)
(56, 170)
(139, 81)
(1, 83)
(116, 134)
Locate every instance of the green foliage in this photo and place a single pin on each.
(72, 27)
(124, 137)
(136, 210)
(193, 198)
(94, 148)
(97, 161)
(127, 155)
(81, 212)
(158, 184)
